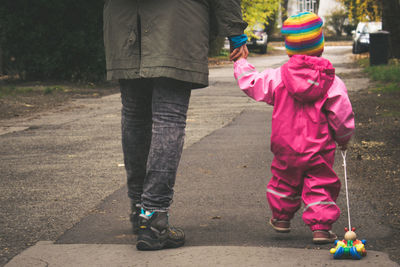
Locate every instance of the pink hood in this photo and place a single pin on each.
(307, 78)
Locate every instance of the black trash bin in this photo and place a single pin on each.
(378, 48)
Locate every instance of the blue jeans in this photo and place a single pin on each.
(153, 129)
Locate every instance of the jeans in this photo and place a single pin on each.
(153, 129)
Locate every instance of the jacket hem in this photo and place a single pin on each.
(197, 79)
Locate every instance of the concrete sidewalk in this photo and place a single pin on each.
(220, 190)
(46, 253)
(220, 231)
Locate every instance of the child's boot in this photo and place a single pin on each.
(281, 226)
(323, 237)
(155, 232)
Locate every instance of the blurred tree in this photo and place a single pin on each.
(215, 46)
(390, 23)
(284, 8)
(336, 20)
(363, 10)
(255, 12)
(316, 6)
(260, 12)
(46, 39)
(386, 11)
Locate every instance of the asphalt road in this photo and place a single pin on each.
(62, 179)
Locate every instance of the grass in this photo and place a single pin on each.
(50, 90)
(390, 72)
(387, 77)
(389, 87)
(223, 55)
(386, 85)
(15, 90)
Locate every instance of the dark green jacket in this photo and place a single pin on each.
(166, 38)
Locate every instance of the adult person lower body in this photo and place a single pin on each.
(153, 129)
(159, 52)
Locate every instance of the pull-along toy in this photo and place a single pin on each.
(350, 246)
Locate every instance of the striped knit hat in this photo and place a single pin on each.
(303, 34)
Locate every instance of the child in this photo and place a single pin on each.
(311, 111)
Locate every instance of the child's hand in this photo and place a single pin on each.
(238, 53)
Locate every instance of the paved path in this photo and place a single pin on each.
(63, 182)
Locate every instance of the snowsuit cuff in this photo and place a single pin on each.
(324, 227)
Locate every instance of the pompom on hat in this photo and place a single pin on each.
(303, 34)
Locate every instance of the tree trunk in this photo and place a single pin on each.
(215, 46)
(390, 23)
(284, 9)
(316, 6)
(1, 61)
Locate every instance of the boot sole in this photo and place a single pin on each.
(151, 244)
(323, 241)
(279, 229)
(146, 245)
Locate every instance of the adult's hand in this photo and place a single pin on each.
(240, 52)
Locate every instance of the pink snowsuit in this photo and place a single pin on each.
(311, 111)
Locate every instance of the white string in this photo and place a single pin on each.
(347, 190)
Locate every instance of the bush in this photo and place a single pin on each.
(51, 40)
(336, 19)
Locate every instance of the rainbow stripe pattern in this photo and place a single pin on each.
(303, 34)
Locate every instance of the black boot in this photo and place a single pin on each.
(155, 232)
(134, 217)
